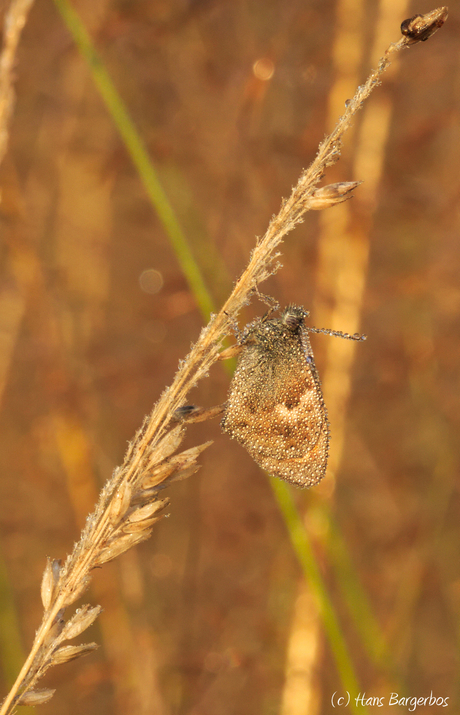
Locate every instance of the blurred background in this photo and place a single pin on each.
(212, 615)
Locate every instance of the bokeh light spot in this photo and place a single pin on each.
(263, 68)
(151, 281)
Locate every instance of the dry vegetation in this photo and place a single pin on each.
(56, 305)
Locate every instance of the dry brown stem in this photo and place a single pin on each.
(15, 20)
(129, 504)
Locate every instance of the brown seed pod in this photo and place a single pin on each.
(421, 27)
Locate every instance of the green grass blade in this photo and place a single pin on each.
(139, 156)
(303, 549)
(354, 595)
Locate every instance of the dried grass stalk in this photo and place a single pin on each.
(129, 504)
(15, 20)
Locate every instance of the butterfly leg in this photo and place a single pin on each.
(267, 299)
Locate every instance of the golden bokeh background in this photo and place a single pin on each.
(212, 616)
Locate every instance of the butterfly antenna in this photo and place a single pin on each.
(336, 333)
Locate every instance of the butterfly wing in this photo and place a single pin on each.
(276, 411)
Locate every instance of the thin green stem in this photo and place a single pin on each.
(303, 549)
(354, 595)
(139, 155)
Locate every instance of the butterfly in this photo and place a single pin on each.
(275, 405)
